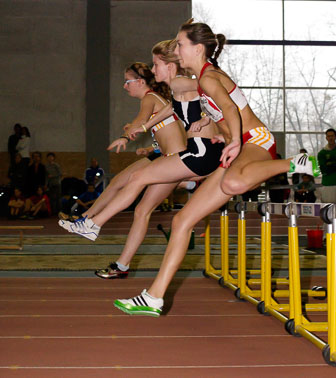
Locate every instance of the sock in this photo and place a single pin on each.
(122, 267)
(191, 185)
(90, 224)
(151, 297)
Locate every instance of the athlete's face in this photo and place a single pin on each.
(185, 50)
(160, 69)
(130, 83)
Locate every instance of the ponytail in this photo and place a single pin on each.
(200, 33)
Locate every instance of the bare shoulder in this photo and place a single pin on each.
(152, 99)
(217, 78)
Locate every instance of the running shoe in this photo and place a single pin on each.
(143, 304)
(65, 224)
(111, 272)
(84, 227)
(302, 163)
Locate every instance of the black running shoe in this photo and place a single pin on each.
(111, 272)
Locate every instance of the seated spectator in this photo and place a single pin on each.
(17, 173)
(94, 174)
(16, 204)
(86, 199)
(305, 191)
(38, 205)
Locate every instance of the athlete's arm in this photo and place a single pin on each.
(215, 89)
(162, 114)
(183, 84)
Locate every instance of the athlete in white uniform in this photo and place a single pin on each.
(245, 166)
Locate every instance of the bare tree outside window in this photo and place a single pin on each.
(303, 106)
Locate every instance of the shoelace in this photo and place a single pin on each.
(79, 223)
(80, 219)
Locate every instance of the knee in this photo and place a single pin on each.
(135, 178)
(233, 185)
(181, 223)
(141, 211)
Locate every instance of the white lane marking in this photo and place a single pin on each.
(28, 337)
(15, 367)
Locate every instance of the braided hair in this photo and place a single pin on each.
(201, 33)
(142, 71)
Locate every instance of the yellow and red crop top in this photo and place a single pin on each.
(208, 105)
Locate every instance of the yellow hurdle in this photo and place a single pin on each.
(298, 324)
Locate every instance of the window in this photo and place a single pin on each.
(281, 53)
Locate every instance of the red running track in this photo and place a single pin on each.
(68, 327)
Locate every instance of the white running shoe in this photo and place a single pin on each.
(302, 163)
(65, 224)
(143, 304)
(84, 227)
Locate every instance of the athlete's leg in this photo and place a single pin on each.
(163, 170)
(208, 198)
(152, 198)
(117, 182)
(253, 166)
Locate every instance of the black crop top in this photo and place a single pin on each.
(187, 111)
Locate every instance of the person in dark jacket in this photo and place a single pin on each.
(13, 141)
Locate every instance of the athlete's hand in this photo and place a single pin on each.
(217, 139)
(127, 126)
(198, 125)
(230, 152)
(142, 151)
(118, 144)
(133, 132)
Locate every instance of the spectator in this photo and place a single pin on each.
(36, 175)
(54, 175)
(17, 173)
(24, 145)
(86, 199)
(16, 204)
(297, 177)
(279, 195)
(327, 161)
(13, 141)
(94, 174)
(38, 205)
(305, 191)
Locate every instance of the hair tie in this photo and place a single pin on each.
(216, 48)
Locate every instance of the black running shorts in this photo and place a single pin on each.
(201, 156)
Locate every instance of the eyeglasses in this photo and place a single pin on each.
(130, 81)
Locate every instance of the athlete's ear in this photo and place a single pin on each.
(199, 49)
(170, 65)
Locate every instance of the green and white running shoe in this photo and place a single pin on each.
(302, 163)
(143, 304)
